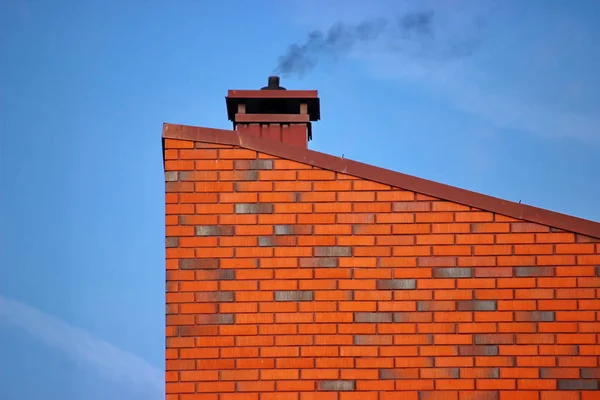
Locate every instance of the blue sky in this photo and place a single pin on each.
(86, 85)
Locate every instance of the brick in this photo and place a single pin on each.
(337, 385)
(556, 260)
(171, 176)
(520, 227)
(577, 384)
(238, 176)
(413, 317)
(254, 208)
(333, 251)
(491, 227)
(401, 206)
(253, 164)
(316, 175)
(489, 350)
(476, 305)
(534, 271)
(437, 373)
(575, 248)
(534, 249)
(292, 229)
(393, 374)
(590, 373)
(450, 228)
(199, 263)
(318, 262)
(371, 317)
(540, 316)
(216, 319)
(294, 296)
(212, 230)
(214, 296)
(494, 339)
(555, 238)
(436, 306)
(452, 272)
(237, 154)
(171, 242)
(396, 284)
(179, 187)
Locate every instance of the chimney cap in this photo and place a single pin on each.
(273, 84)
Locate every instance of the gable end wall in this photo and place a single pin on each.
(286, 281)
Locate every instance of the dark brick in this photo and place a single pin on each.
(208, 297)
(396, 284)
(577, 384)
(388, 374)
(365, 340)
(452, 272)
(294, 295)
(549, 373)
(452, 373)
(330, 262)
(173, 187)
(245, 176)
(227, 274)
(337, 386)
(284, 229)
(253, 164)
(590, 373)
(265, 241)
(436, 305)
(199, 263)
(333, 251)
(214, 230)
(534, 271)
(478, 350)
(494, 338)
(539, 316)
(372, 317)
(215, 319)
(199, 330)
(598, 271)
(216, 274)
(171, 176)
(254, 208)
(476, 305)
(293, 229)
(494, 373)
(172, 242)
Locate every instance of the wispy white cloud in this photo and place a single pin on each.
(520, 79)
(464, 89)
(114, 363)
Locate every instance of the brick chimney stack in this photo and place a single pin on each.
(274, 112)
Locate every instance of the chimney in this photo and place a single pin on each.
(274, 112)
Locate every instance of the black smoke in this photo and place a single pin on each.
(413, 34)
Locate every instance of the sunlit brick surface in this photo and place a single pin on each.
(290, 282)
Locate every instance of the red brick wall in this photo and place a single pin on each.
(293, 283)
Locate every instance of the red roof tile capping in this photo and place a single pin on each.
(384, 176)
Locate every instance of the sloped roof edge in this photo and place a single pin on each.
(385, 176)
